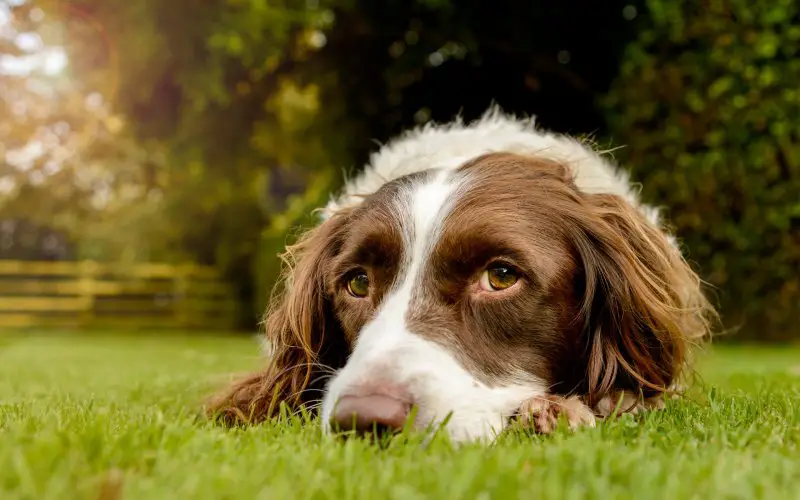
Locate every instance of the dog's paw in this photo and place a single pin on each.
(542, 414)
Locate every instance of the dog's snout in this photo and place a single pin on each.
(367, 414)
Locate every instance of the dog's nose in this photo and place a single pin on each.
(365, 414)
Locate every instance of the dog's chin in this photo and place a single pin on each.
(459, 427)
(465, 427)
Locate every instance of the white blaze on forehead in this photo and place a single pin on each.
(423, 207)
(429, 205)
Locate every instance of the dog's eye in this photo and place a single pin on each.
(498, 278)
(358, 285)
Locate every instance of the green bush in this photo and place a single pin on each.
(707, 104)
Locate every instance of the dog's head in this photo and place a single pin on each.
(466, 291)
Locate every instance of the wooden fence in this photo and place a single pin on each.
(90, 294)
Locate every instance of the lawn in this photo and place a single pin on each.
(114, 416)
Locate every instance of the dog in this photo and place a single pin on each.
(478, 274)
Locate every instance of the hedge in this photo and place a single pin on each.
(707, 104)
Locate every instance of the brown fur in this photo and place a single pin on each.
(299, 329)
(606, 305)
(640, 305)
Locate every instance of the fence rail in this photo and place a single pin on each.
(91, 294)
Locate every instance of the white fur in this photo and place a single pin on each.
(448, 146)
(387, 352)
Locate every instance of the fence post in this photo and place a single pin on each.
(88, 273)
(183, 274)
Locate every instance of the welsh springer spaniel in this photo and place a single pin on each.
(480, 273)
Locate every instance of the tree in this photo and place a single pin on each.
(175, 118)
(395, 64)
(53, 135)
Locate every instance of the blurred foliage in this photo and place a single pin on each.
(55, 145)
(394, 64)
(223, 112)
(207, 130)
(708, 104)
(210, 81)
(210, 128)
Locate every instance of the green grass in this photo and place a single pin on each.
(115, 417)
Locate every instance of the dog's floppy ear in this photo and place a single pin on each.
(302, 333)
(642, 305)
